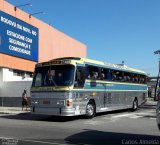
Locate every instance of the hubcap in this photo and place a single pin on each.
(135, 104)
(90, 109)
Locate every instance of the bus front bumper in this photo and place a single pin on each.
(53, 111)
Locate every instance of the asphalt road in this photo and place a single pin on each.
(118, 127)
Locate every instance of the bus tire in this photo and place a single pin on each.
(90, 110)
(135, 104)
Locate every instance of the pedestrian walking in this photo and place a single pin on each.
(24, 100)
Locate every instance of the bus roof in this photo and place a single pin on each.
(82, 60)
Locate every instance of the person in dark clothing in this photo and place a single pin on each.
(24, 100)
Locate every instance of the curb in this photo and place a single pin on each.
(12, 110)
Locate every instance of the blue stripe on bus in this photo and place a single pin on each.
(114, 86)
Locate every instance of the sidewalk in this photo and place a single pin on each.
(12, 110)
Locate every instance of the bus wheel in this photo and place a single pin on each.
(90, 110)
(135, 105)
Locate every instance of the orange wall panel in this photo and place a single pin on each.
(16, 63)
(1, 4)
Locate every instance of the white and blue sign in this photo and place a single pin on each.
(18, 38)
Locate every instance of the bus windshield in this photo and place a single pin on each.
(57, 75)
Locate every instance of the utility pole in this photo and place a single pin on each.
(157, 83)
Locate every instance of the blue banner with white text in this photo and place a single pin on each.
(18, 38)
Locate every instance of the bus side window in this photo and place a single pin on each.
(114, 75)
(102, 76)
(92, 75)
(102, 73)
(87, 73)
(136, 78)
(127, 77)
(80, 77)
(93, 72)
(142, 79)
(109, 74)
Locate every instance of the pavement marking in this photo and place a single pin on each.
(152, 118)
(34, 141)
(122, 115)
(98, 121)
(42, 142)
(91, 122)
(6, 138)
(134, 117)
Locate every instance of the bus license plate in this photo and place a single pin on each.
(46, 102)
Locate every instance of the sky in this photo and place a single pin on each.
(113, 30)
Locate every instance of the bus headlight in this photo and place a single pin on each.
(60, 103)
(34, 102)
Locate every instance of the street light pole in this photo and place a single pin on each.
(158, 52)
(28, 4)
(36, 14)
(157, 83)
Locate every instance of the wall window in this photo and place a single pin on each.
(23, 74)
(18, 73)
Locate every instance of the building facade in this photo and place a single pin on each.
(24, 41)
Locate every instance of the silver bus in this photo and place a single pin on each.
(79, 86)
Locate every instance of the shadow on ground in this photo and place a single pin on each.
(36, 117)
(95, 137)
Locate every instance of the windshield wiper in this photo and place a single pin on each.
(51, 81)
(54, 83)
